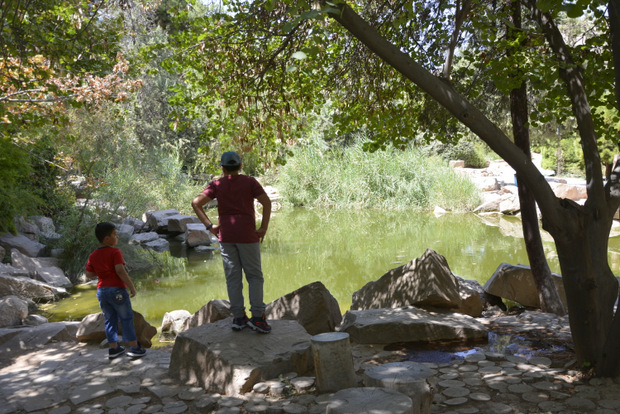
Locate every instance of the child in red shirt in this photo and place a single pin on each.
(107, 264)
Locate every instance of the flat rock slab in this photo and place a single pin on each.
(222, 360)
(369, 400)
(410, 324)
(33, 337)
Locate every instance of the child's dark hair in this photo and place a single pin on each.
(104, 229)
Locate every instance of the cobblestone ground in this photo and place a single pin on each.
(77, 378)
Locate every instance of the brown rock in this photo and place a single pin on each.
(312, 306)
(423, 282)
(92, 328)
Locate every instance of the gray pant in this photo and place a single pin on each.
(238, 257)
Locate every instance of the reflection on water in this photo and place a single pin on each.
(343, 249)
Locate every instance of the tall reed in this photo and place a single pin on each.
(350, 177)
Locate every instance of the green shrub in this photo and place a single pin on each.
(390, 179)
(467, 150)
(15, 197)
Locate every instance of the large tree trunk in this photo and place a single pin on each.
(591, 288)
(547, 293)
(580, 232)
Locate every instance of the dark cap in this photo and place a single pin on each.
(230, 159)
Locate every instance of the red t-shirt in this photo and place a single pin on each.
(235, 196)
(102, 262)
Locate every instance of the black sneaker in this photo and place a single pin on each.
(114, 352)
(136, 352)
(259, 324)
(240, 323)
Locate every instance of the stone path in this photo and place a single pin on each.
(77, 378)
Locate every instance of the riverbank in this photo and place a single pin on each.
(67, 377)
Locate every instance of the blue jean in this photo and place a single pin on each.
(238, 258)
(116, 305)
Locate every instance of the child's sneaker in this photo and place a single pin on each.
(259, 324)
(114, 352)
(240, 323)
(136, 352)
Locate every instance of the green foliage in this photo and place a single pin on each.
(466, 149)
(15, 196)
(149, 180)
(566, 158)
(120, 171)
(389, 179)
(28, 181)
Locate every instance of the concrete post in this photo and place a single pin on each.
(333, 361)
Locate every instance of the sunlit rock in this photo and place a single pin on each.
(410, 324)
(313, 306)
(425, 281)
(516, 283)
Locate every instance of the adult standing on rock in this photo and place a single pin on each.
(239, 238)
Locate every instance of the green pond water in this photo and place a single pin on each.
(344, 249)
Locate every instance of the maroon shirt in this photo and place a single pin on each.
(235, 196)
(102, 262)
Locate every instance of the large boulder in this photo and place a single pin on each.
(45, 224)
(54, 276)
(196, 234)
(173, 323)
(159, 245)
(178, 223)
(27, 288)
(137, 224)
(92, 329)
(410, 324)
(35, 337)
(472, 298)
(22, 243)
(516, 283)
(143, 238)
(490, 203)
(125, 231)
(13, 310)
(27, 228)
(8, 270)
(425, 282)
(31, 264)
(311, 305)
(219, 359)
(213, 311)
(158, 220)
(570, 191)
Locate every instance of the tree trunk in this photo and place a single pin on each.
(591, 288)
(613, 7)
(547, 293)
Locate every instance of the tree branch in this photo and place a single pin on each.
(459, 107)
